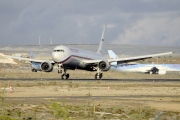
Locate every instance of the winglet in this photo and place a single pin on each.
(102, 40)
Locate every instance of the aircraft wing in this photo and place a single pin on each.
(29, 59)
(132, 59)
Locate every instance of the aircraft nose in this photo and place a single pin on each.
(55, 57)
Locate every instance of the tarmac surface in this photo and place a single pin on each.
(112, 80)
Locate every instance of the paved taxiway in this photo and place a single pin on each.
(112, 80)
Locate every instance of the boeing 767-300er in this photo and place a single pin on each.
(74, 58)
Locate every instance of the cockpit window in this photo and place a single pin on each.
(58, 51)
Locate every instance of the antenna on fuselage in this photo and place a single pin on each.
(102, 40)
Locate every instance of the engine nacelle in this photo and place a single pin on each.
(104, 66)
(36, 66)
(46, 66)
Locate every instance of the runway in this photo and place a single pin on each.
(108, 80)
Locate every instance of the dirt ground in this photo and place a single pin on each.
(161, 96)
(87, 99)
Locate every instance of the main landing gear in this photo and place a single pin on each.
(62, 69)
(64, 76)
(98, 75)
(33, 70)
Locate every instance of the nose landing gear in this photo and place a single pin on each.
(62, 69)
(98, 75)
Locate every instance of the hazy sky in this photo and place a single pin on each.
(139, 22)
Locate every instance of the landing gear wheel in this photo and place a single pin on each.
(62, 76)
(98, 75)
(33, 70)
(65, 76)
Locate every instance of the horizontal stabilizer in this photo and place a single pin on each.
(112, 55)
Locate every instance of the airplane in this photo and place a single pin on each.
(145, 68)
(69, 58)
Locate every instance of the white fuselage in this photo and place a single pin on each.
(73, 56)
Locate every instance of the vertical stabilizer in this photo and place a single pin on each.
(31, 54)
(102, 40)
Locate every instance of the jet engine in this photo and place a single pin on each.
(104, 66)
(36, 66)
(46, 66)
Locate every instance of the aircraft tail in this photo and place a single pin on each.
(112, 55)
(31, 54)
(102, 40)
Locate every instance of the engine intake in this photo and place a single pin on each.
(104, 66)
(46, 66)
